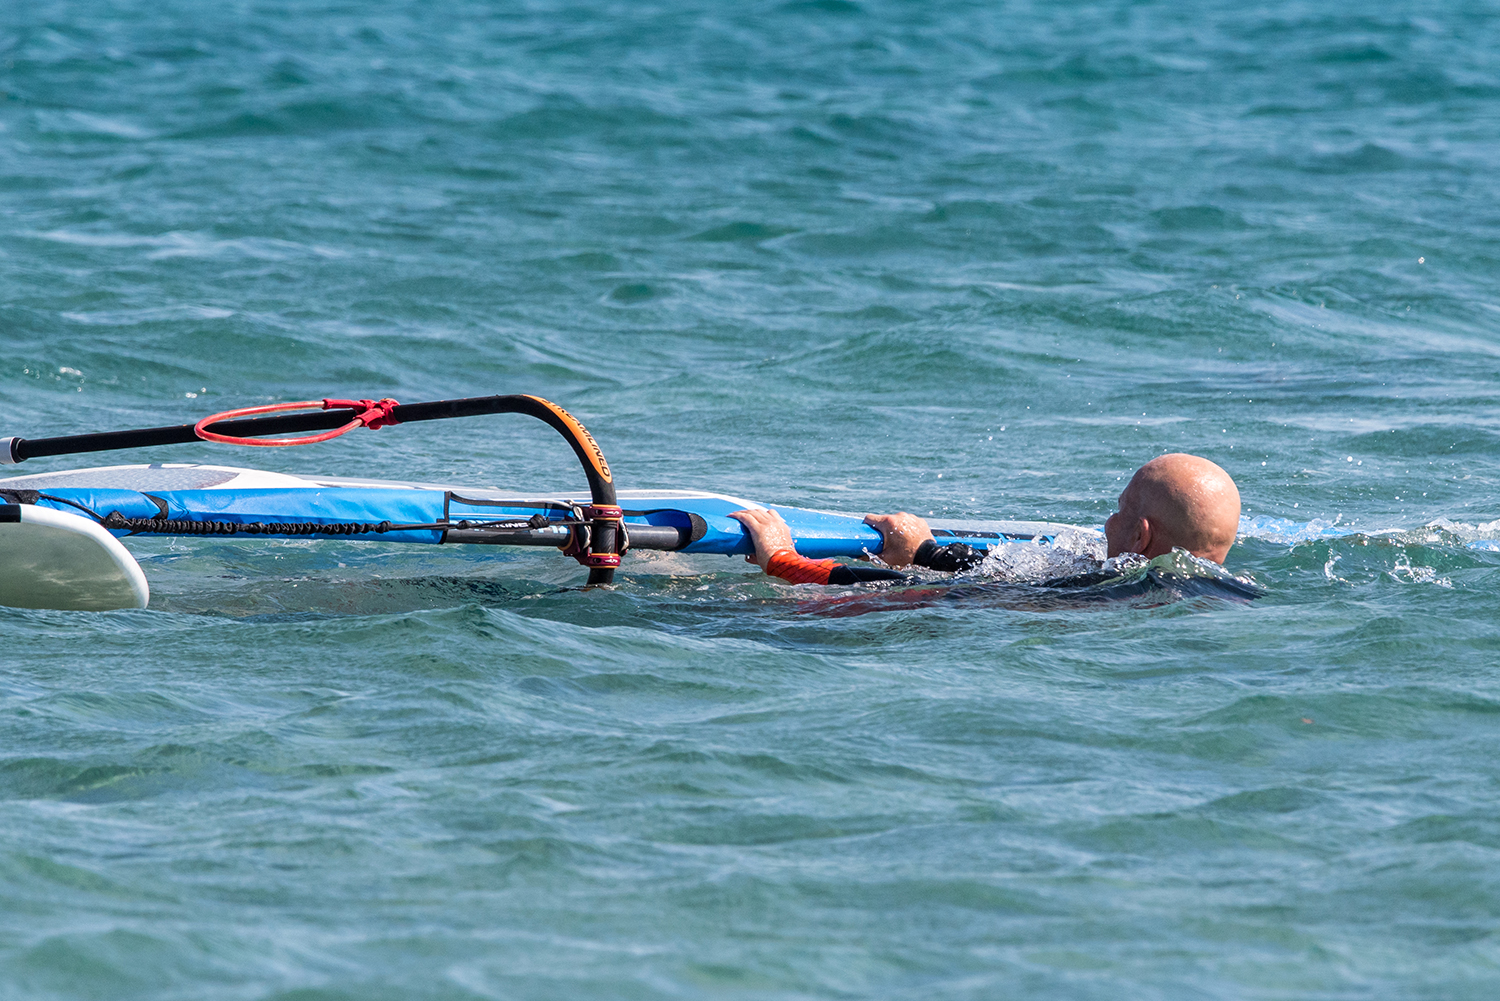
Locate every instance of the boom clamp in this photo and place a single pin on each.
(599, 539)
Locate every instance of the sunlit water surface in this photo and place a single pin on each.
(966, 259)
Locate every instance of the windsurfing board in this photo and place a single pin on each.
(55, 554)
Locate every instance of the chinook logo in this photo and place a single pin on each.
(580, 433)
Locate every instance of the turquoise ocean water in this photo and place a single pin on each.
(974, 259)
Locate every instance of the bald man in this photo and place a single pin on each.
(1175, 501)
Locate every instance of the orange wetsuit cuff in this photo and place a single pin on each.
(787, 565)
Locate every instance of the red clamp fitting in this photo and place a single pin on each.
(373, 413)
(581, 542)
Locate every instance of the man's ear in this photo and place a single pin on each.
(1143, 534)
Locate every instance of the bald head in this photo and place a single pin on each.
(1176, 501)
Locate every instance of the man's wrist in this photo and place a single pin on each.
(778, 551)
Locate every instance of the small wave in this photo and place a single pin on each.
(1369, 158)
(742, 232)
(189, 244)
(1076, 561)
(1208, 218)
(135, 317)
(1484, 537)
(1129, 578)
(1124, 580)
(1177, 566)
(1284, 530)
(1441, 531)
(83, 123)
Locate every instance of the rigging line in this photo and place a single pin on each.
(171, 526)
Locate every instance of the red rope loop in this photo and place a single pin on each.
(372, 414)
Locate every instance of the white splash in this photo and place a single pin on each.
(1071, 552)
(1289, 532)
(1404, 571)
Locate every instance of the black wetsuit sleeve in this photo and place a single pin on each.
(951, 558)
(844, 574)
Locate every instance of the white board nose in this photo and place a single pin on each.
(49, 559)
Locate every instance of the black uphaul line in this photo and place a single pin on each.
(597, 542)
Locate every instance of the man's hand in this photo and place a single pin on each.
(903, 533)
(768, 530)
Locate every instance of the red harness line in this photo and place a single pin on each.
(373, 414)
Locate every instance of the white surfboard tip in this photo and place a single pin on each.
(50, 559)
